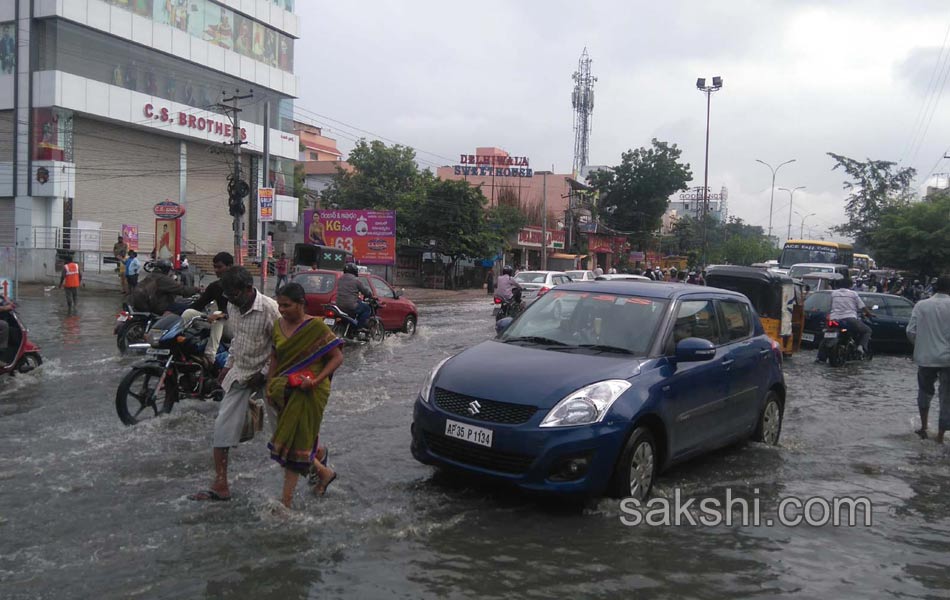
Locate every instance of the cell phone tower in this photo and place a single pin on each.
(583, 100)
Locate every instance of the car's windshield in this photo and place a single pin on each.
(316, 283)
(810, 254)
(798, 271)
(530, 277)
(587, 321)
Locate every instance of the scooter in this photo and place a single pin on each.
(21, 355)
(344, 326)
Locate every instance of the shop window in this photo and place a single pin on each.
(52, 134)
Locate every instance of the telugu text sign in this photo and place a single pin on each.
(369, 234)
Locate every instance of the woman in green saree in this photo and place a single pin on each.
(305, 355)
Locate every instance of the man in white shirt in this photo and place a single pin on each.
(929, 330)
(252, 321)
(846, 305)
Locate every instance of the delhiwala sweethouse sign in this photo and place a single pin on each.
(489, 165)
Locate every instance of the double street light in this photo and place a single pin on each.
(772, 198)
(791, 197)
(708, 90)
(801, 232)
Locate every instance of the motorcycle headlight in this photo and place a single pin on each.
(587, 405)
(427, 384)
(154, 336)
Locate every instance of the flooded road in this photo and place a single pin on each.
(91, 508)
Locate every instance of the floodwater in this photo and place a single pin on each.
(90, 508)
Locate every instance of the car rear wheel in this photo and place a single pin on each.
(770, 421)
(409, 326)
(637, 467)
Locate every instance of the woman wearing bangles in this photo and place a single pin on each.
(305, 355)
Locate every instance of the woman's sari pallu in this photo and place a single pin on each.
(300, 412)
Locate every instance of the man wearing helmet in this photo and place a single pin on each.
(348, 291)
(506, 285)
(158, 292)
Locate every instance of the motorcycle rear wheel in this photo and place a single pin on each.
(130, 333)
(838, 355)
(376, 331)
(138, 398)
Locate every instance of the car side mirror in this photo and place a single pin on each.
(502, 324)
(694, 349)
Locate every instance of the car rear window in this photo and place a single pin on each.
(820, 302)
(316, 283)
(530, 277)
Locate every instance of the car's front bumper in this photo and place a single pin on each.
(526, 455)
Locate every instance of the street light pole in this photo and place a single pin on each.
(801, 232)
(708, 90)
(544, 216)
(772, 197)
(791, 196)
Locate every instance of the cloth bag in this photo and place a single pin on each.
(253, 419)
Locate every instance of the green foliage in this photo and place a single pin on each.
(639, 188)
(874, 188)
(915, 237)
(733, 242)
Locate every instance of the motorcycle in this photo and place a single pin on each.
(839, 345)
(21, 355)
(130, 328)
(176, 369)
(511, 307)
(344, 326)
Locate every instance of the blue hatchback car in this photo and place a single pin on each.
(599, 386)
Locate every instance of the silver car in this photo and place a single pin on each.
(581, 275)
(537, 283)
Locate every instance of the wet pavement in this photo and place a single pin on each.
(90, 508)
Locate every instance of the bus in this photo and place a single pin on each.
(816, 251)
(863, 262)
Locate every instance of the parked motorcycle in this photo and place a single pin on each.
(176, 369)
(839, 345)
(344, 326)
(510, 307)
(21, 355)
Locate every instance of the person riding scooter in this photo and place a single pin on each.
(158, 292)
(348, 292)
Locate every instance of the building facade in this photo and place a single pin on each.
(690, 204)
(108, 108)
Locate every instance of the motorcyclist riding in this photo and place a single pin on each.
(506, 285)
(348, 293)
(158, 292)
(845, 306)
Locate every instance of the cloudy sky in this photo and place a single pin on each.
(801, 78)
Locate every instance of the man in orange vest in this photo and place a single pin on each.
(70, 280)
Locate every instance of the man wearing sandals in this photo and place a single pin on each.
(252, 321)
(929, 330)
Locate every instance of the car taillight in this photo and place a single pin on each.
(543, 291)
(497, 300)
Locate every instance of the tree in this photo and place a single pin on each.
(915, 237)
(875, 186)
(634, 195)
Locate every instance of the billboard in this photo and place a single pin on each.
(265, 205)
(369, 234)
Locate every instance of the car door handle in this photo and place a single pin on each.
(728, 362)
(764, 352)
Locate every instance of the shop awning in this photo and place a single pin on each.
(562, 256)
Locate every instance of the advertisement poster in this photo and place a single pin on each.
(369, 234)
(265, 205)
(167, 239)
(130, 233)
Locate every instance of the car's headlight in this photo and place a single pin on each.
(427, 384)
(154, 336)
(587, 405)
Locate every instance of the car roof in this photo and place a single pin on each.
(647, 289)
(823, 265)
(539, 271)
(328, 272)
(753, 273)
(621, 277)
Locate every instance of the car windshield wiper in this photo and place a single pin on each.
(606, 348)
(535, 339)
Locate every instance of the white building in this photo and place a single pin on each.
(108, 108)
(690, 204)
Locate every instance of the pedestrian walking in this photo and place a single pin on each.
(929, 330)
(490, 281)
(120, 251)
(252, 321)
(305, 355)
(70, 279)
(281, 267)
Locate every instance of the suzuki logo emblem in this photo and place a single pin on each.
(474, 408)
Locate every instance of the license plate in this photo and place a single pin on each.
(330, 322)
(808, 337)
(468, 433)
(158, 351)
(831, 335)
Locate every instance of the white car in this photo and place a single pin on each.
(581, 275)
(801, 269)
(535, 284)
(621, 277)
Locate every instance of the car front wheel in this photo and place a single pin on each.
(637, 466)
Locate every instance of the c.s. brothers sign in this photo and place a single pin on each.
(493, 166)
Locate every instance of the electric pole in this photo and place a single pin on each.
(238, 189)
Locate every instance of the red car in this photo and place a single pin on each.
(398, 313)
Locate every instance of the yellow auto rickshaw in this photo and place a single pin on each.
(776, 297)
